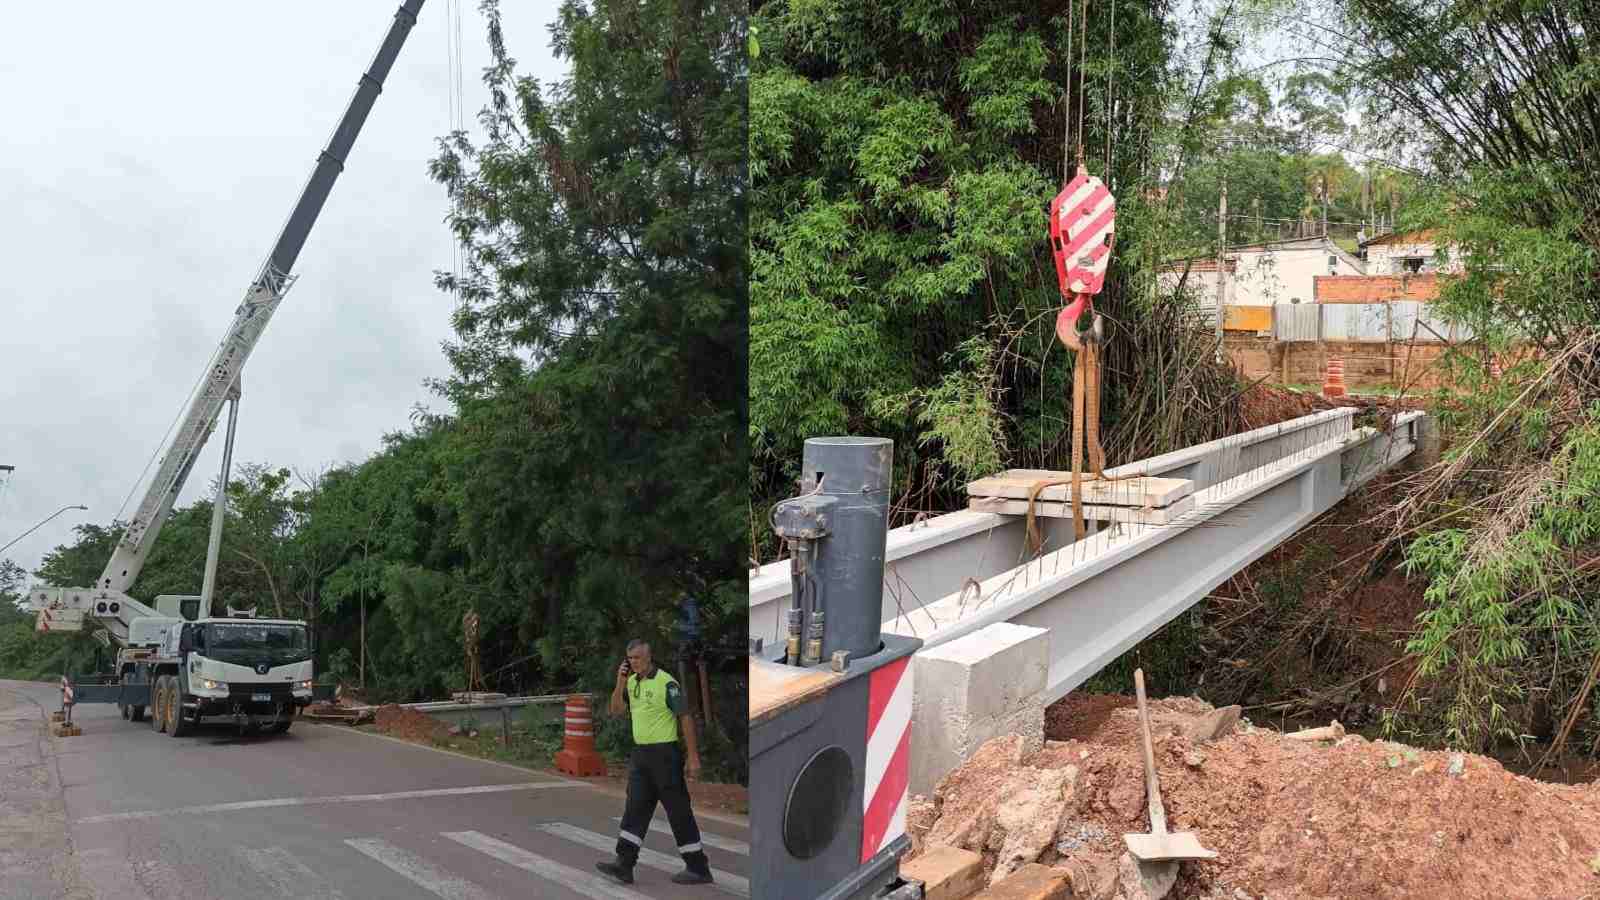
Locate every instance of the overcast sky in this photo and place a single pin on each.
(150, 152)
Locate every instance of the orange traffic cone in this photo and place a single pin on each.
(1333, 381)
(578, 756)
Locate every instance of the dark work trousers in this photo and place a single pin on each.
(656, 773)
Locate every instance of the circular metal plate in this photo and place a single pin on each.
(817, 801)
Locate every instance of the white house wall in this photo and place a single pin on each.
(1384, 259)
(1267, 277)
(1201, 285)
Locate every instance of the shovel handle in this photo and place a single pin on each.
(1152, 784)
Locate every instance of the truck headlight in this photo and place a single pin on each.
(302, 685)
(210, 685)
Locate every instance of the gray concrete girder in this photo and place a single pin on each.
(1103, 595)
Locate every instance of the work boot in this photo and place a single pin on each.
(616, 870)
(690, 876)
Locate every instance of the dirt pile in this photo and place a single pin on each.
(1288, 819)
(1265, 404)
(409, 724)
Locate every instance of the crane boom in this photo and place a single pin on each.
(250, 319)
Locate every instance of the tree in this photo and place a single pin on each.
(901, 282)
(599, 367)
(1501, 103)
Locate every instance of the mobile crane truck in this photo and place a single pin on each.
(176, 659)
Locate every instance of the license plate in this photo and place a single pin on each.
(261, 698)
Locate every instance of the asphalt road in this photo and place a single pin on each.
(123, 811)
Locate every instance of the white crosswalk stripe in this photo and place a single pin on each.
(420, 871)
(287, 875)
(727, 882)
(593, 885)
(710, 840)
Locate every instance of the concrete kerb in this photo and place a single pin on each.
(738, 821)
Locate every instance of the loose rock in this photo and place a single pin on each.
(1031, 808)
(1213, 725)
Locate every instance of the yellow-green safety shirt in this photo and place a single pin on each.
(655, 702)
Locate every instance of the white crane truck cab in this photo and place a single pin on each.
(258, 671)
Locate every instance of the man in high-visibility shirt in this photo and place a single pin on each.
(657, 771)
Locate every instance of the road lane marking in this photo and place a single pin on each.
(287, 875)
(727, 882)
(597, 887)
(312, 801)
(710, 840)
(420, 871)
(734, 819)
(345, 729)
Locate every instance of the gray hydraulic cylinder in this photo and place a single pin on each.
(854, 473)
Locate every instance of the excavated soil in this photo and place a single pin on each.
(1288, 819)
(398, 721)
(1081, 715)
(1265, 404)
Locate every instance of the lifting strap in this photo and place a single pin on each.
(1082, 234)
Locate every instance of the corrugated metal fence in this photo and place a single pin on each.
(1375, 322)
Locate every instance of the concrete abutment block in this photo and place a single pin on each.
(975, 688)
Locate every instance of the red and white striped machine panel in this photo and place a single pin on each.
(1082, 220)
(888, 762)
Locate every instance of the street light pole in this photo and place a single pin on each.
(41, 524)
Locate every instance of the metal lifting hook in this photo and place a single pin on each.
(1067, 325)
(1082, 230)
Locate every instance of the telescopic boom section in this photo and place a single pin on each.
(250, 319)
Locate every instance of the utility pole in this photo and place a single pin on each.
(1324, 206)
(1257, 204)
(1366, 201)
(1222, 248)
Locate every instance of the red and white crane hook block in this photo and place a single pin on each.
(1083, 220)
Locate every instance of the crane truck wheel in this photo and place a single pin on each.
(159, 720)
(123, 708)
(177, 726)
(279, 727)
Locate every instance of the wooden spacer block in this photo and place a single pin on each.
(1015, 484)
(1131, 515)
(65, 729)
(946, 873)
(1031, 882)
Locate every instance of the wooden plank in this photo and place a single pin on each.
(946, 873)
(1147, 491)
(1053, 509)
(1031, 882)
(774, 687)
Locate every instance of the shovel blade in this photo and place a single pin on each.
(1174, 845)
